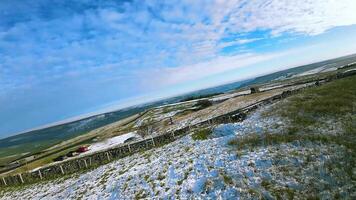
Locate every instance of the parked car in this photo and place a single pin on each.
(72, 153)
(82, 149)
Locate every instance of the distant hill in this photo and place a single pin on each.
(35, 141)
(297, 70)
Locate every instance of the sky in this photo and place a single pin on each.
(64, 59)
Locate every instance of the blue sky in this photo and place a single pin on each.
(64, 59)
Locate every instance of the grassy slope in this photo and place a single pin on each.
(334, 102)
(311, 117)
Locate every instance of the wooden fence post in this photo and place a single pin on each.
(85, 162)
(153, 141)
(90, 161)
(60, 166)
(39, 173)
(129, 147)
(107, 155)
(21, 178)
(174, 137)
(78, 163)
(3, 179)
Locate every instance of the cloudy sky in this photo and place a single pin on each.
(62, 59)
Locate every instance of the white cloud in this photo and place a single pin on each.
(163, 77)
(70, 46)
(307, 17)
(301, 16)
(239, 42)
(153, 35)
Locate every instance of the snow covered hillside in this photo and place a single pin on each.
(205, 169)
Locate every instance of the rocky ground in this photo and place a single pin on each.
(212, 169)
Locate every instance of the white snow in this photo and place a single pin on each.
(166, 115)
(189, 169)
(229, 96)
(350, 70)
(317, 70)
(111, 142)
(271, 87)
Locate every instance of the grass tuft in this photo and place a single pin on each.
(202, 134)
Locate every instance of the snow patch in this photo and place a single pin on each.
(111, 142)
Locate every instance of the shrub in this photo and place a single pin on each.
(202, 134)
(227, 179)
(204, 103)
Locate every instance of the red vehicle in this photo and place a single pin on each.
(82, 149)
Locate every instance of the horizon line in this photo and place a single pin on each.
(107, 110)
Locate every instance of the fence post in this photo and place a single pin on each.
(174, 137)
(78, 163)
(129, 147)
(3, 179)
(21, 178)
(153, 141)
(39, 173)
(107, 155)
(90, 161)
(60, 166)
